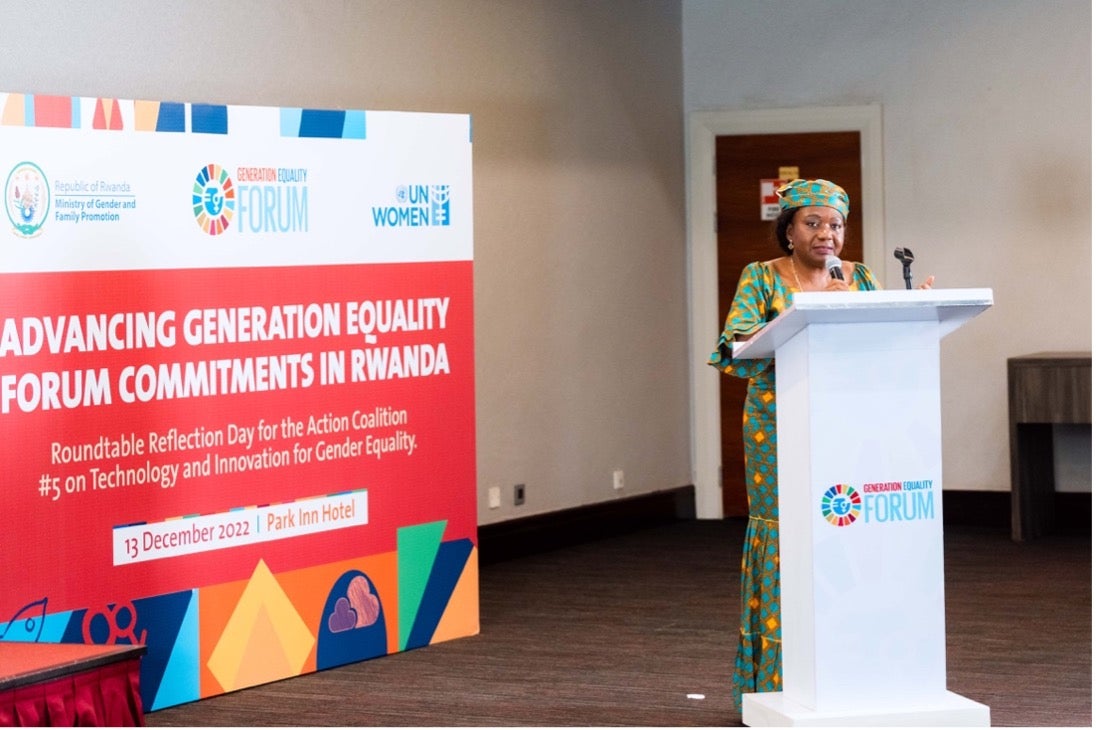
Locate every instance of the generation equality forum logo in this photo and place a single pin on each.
(27, 199)
(904, 501)
(259, 199)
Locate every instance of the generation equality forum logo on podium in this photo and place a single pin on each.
(905, 501)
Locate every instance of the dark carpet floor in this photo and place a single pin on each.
(630, 630)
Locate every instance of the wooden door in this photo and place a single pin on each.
(742, 161)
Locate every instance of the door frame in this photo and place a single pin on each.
(702, 251)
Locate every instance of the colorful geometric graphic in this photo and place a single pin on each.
(108, 115)
(353, 626)
(165, 624)
(26, 624)
(265, 638)
(323, 123)
(41, 110)
(261, 631)
(417, 548)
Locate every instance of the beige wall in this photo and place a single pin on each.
(578, 111)
(578, 176)
(987, 148)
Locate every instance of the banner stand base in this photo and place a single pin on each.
(773, 709)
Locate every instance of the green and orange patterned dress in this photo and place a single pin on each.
(761, 296)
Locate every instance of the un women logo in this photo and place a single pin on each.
(841, 505)
(214, 199)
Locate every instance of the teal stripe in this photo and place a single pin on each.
(354, 125)
(291, 122)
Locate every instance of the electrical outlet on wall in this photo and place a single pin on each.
(494, 498)
(618, 479)
(519, 494)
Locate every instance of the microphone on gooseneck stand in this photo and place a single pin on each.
(834, 265)
(906, 257)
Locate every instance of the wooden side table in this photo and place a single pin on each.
(1044, 389)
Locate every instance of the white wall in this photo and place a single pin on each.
(987, 151)
(578, 174)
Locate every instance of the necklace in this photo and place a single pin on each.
(795, 272)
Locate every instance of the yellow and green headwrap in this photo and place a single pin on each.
(803, 193)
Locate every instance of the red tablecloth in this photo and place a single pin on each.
(84, 689)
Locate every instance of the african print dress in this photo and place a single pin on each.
(760, 297)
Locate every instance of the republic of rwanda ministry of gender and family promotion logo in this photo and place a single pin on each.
(27, 198)
(214, 199)
(841, 505)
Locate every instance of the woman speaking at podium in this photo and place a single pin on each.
(810, 230)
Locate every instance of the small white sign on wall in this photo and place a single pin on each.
(770, 203)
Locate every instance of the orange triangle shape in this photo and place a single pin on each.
(461, 616)
(263, 659)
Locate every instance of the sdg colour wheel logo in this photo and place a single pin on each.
(214, 199)
(841, 505)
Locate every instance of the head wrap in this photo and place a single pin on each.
(803, 193)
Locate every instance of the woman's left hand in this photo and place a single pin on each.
(927, 283)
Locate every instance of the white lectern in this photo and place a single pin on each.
(861, 535)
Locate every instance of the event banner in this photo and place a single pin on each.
(236, 385)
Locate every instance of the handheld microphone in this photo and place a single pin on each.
(834, 265)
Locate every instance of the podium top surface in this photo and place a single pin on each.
(950, 307)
